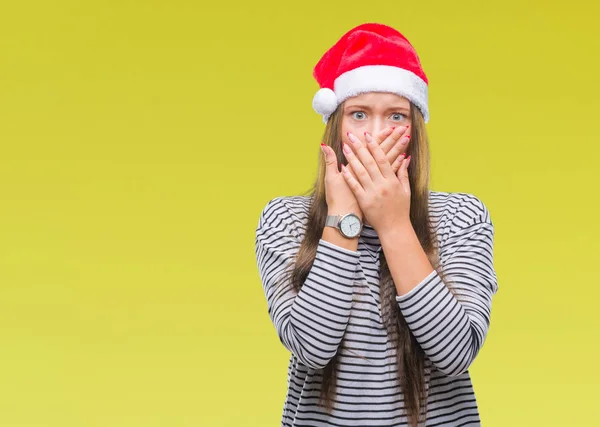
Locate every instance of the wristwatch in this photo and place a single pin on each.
(349, 224)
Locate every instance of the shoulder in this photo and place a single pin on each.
(289, 211)
(450, 211)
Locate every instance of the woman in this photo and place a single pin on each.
(380, 288)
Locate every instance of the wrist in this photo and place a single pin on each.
(399, 228)
(333, 236)
(335, 210)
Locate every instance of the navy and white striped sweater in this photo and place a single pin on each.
(339, 302)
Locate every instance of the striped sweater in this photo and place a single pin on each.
(339, 303)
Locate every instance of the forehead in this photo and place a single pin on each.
(378, 99)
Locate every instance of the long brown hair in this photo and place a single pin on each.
(410, 357)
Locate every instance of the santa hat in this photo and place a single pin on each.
(369, 58)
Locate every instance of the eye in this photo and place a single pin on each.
(357, 112)
(402, 116)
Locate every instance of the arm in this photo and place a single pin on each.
(451, 328)
(310, 323)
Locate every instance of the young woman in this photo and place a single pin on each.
(379, 287)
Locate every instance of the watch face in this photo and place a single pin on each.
(350, 225)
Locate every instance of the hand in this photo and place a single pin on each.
(340, 199)
(382, 194)
(393, 145)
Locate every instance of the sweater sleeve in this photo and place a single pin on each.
(451, 327)
(311, 322)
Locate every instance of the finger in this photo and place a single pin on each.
(391, 141)
(397, 163)
(331, 168)
(362, 154)
(361, 173)
(384, 134)
(400, 147)
(381, 160)
(388, 138)
(349, 167)
(354, 185)
(403, 172)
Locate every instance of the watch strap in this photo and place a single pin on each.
(332, 220)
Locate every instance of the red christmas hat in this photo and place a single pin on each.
(369, 58)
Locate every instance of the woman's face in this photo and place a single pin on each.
(373, 112)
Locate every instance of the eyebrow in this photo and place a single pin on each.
(366, 107)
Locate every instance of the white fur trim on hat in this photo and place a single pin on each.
(374, 78)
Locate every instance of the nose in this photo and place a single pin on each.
(376, 127)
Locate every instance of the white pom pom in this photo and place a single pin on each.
(325, 102)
